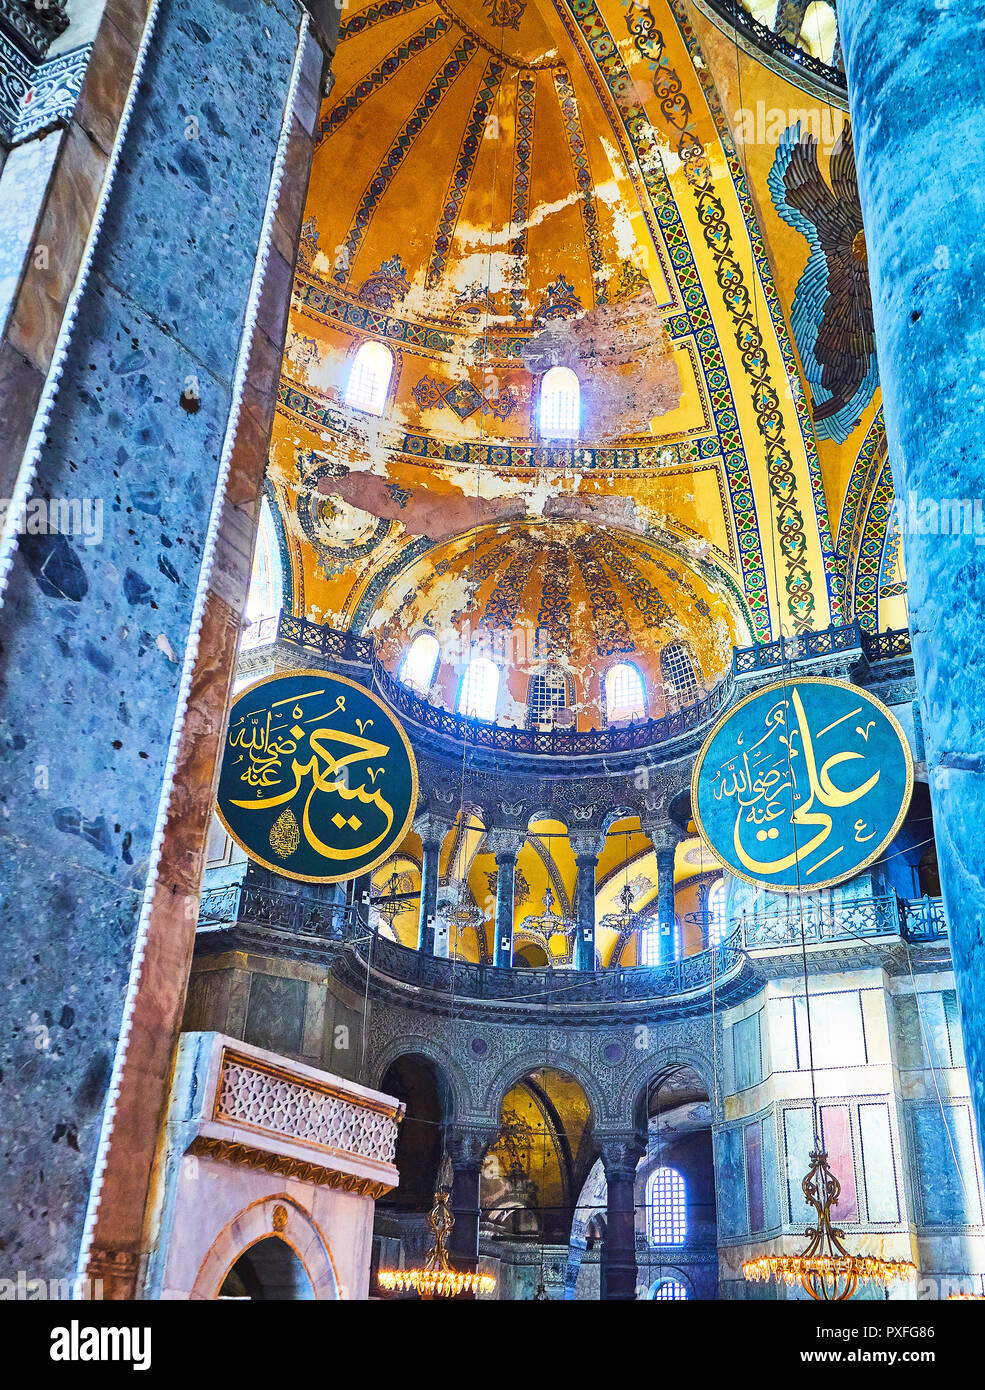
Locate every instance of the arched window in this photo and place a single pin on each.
(715, 910)
(265, 598)
(819, 30)
(547, 692)
(479, 689)
(560, 408)
(650, 943)
(669, 1288)
(420, 662)
(677, 670)
(667, 1205)
(369, 379)
(624, 695)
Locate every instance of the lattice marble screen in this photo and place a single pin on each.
(252, 1096)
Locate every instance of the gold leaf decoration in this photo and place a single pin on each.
(285, 835)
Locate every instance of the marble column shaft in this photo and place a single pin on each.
(666, 935)
(916, 85)
(505, 894)
(620, 1158)
(466, 1149)
(586, 865)
(429, 895)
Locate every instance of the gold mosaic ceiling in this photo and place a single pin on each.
(498, 186)
(578, 596)
(481, 154)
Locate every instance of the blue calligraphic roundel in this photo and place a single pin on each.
(318, 779)
(802, 785)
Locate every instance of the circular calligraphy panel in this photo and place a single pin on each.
(802, 785)
(318, 780)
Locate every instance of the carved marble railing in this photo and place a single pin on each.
(829, 641)
(333, 645)
(815, 922)
(692, 975)
(239, 1104)
(258, 905)
(283, 1102)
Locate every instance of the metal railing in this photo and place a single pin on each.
(495, 983)
(557, 742)
(257, 905)
(919, 920)
(817, 922)
(829, 641)
(771, 42)
(334, 645)
(923, 919)
(331, 644)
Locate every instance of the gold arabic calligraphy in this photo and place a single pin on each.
(267, 737)
(779, 776)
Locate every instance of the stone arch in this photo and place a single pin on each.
(544, 810)
(455, 1078)
(654, 1069)
(621, 811)
(670, 1273)
(279, 1216)
(523, 1064)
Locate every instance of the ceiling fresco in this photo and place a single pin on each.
(621, 189)
(563, 594)
(640, 193)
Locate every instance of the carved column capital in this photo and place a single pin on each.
(432, 828)
(503, 843)
(467, 1145)
(620, 1155)
(662, 834)
(587, 842)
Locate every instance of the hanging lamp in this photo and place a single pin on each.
(824, 1268)
(437, 1277)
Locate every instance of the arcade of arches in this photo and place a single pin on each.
(526, 362)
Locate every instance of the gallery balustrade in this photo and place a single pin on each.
(330, 644)
(921, 921)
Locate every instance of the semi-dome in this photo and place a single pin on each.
(561, 599)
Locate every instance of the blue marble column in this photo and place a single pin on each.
(505, 894)
(664, 839)
(586, 864)
(916, 81)
(429, 892)
(95, 629)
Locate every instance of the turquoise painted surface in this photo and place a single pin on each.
(731, 1183)
(747, 1051)
(916, 83)
(802, 785)
(944, 1155)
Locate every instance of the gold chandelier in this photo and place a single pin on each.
(438, 1278)
(824, 1268)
